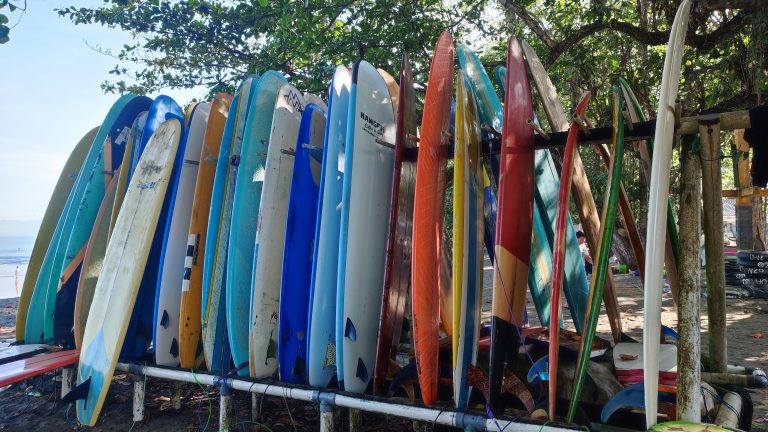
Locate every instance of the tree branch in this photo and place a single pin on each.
(532, 23)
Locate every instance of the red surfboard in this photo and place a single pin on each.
(428, 204)
(558, 251)
(397, 274)
(513, 222)
(33, 366)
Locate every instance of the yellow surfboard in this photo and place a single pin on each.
(48, 225)
(123, 267)
(190, 348)
(93, 260)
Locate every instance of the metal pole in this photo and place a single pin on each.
(689, 339)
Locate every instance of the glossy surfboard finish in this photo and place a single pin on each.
(468, 292)
(214, 304)
(601, 269)
(559, 251)
(170, 282)
(270, 231)
(645, 148)
(397, 273)
(429, 197)
(245, 214)
(514, 224)
(20, 370)
(366, 198)
(58, 277)
(138, 338)
(582, 194)
(299, 245)
(46, 236)
(657, 208)
(322, 355)
(124, 262)
(190, 346)
(93, 260)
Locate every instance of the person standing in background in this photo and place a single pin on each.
(582, 239)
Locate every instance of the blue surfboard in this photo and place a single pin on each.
(322, 356)
(115, 128)
(138, 337)
(245, 212)
(299, 245)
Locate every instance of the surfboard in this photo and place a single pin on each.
(657, 207)
(429, 196)
(299, 243)
(249, 180)
(397, 272)
(124, 262)
(138, 338)
(501, 78)
(13, 353)
(103, 157)
(645, 149)
(580, 189)
(20, 370)
(93, 260)
(171, 275)
(270, 231)
(322, 355)
(513, 236)
(134, 140)
(214, 304)
(489, 216)
(468, 293)
(366, 198)
(190, 346)
(51, 219)
(601, 268)
(559, 251)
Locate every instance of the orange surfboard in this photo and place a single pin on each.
(190, 348)
(428, 215)
(513, 222)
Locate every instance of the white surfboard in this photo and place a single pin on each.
(168, 299)
(270, 232)
(657, 210)
(370, 189)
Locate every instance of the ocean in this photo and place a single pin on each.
(14, 258)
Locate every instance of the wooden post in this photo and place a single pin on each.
(742, 180)
(138, 397)
(712, 187)
(355, 420)
(226, 414)
(326, 417)
(67, 374)
(689, 339)
(176, 395)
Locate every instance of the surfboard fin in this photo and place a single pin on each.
(362, 371)
(174, 348)
(350, 331)
(165, 320)
(79, 392)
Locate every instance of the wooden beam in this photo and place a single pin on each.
(747, 192)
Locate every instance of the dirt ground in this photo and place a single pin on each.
(31, 405)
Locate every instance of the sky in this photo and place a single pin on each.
(49, 84)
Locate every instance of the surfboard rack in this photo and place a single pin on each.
(327, 399)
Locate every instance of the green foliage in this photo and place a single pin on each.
(5, 30)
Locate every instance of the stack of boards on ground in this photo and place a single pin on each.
(268, 234)
(749, 274)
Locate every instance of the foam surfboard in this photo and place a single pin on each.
(170, 280)
(190, 346)
(513, 236)
(367, 189)
(134, 140)
(468, 291)
(397, 273)
(45, 235)
(657, 207)
(126, 256)
(270, 231)
(299, 244)
(429, 197)
(214, 304)
(138, 338)
(249, 181)
(322, 353)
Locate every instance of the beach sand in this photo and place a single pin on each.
(31, 405)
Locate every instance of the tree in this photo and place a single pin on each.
(4, 20)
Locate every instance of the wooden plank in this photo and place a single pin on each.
(712, 184)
